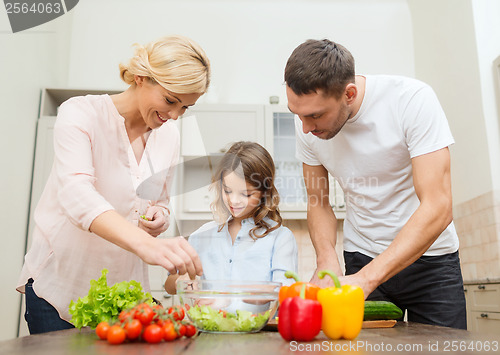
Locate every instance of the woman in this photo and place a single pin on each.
(112, 165)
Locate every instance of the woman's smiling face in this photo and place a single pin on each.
(157, 105)
(239, 197)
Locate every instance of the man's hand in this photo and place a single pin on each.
(358, 280)
(327, 281)
(155, 221)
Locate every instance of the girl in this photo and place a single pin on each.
(246, 241)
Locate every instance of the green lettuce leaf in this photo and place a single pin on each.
(209, 319)
(104, 303)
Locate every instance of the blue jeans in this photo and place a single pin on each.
(40, 315)
(431, 289)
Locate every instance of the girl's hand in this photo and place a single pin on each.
(174, 254)
(155, 221)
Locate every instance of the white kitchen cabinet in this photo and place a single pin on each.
(483, 307)
(209, 129)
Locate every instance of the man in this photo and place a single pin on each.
(385, 139)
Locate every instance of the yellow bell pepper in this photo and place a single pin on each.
(343, 308)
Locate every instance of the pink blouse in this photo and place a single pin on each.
(94, 170)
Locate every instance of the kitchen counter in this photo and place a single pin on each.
(403, 338)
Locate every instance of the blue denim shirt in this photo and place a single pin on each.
(263, 259)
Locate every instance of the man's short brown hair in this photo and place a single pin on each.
(320, 65)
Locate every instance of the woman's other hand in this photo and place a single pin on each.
(157, 220)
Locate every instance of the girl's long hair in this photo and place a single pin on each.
(252, 162)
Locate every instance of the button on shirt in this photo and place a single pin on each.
(263, 259)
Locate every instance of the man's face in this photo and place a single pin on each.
(321, 115)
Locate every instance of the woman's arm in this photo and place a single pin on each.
(174, 254)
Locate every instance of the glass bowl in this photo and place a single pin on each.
(229, 306)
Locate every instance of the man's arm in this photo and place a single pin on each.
(321, 221)
(432, 182)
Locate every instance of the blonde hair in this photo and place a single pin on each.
(252, 162)
(175, 62)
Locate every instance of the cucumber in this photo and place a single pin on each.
(380, 310)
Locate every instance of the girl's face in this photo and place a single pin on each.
(239, 197)
(157, 105)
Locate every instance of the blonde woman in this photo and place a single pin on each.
(107, 149)
(247, 240)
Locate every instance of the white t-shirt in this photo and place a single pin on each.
(399, 119)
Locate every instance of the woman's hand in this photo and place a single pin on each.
(156, 222)
(174, 254)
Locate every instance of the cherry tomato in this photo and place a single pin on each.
(153, 333)
(177, 312)
(158, 308)
(102, 330)
(133, 329)
(169, 332)
(190, 330)
(162, 321)
(145, 314)
(137, 310)
(181, 330)
(116, 335)
(125, 315)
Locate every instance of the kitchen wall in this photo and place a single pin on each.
(478, 227)
(248, 42)
(455, 57)
(447, 57)
(29, 60)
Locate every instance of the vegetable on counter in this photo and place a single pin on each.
(144, 322)
(343, 308)
(104, 303)
(295, 289)
(381, 310)
(210, 319)
(299, 318)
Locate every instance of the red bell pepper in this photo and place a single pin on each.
(299, 318)
(294, 290)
